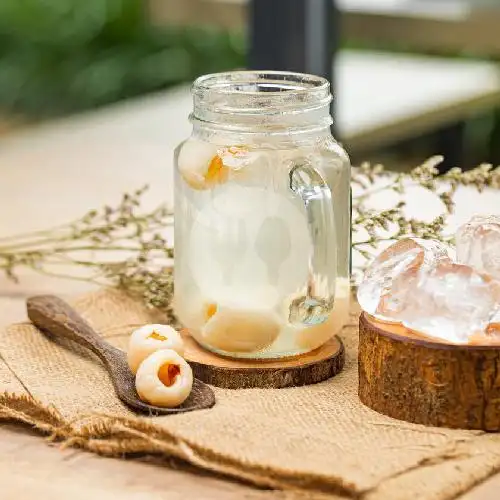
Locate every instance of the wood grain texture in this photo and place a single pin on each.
(30, 469)
(427, 382)
(58, 319)
(310, 368)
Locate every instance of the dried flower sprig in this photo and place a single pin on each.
(127, 247)
(122, 246)
(372, 226)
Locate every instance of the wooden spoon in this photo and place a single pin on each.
(57, 319)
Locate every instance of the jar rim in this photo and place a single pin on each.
(277, 102)
(253, 83)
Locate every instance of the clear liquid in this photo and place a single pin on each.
(242, 245)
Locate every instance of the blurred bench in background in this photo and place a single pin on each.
(382, 98)
(441, 25)
(438, 25)
(379, 99)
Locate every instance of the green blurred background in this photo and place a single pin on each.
(63, 56)
(59, 57)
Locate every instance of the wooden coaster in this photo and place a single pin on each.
(310, 368)
(426, 381)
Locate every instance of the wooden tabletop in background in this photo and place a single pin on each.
(54, 173)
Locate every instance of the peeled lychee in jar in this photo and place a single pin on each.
(164, 379)
(233, 329)
(149, 339)
(200, 165)
(190, 309)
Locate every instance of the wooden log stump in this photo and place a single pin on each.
(311, 368)
(426, 381)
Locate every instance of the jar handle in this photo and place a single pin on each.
(314, 306)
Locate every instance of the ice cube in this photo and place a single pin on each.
(389, 280)
(478, 244)
(452, 302)
(493, 329)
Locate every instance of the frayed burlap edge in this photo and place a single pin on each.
(121, 436)
(117, 437)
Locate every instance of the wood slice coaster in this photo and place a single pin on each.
(311, 368)
(426, 381)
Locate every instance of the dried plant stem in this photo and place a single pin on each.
(122, 246)
(141, 256)
(372, 227)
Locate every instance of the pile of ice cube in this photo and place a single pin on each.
(416, 283)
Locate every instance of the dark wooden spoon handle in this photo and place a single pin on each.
(52, 315)
(56, 318)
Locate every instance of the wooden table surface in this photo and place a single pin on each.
(54, 173)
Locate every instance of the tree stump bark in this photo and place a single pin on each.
(428, 382)
(311, 368)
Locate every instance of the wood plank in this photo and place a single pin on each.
(384, 97)
(474, 34)
(30, 468)
(228, 14)
(442, 25)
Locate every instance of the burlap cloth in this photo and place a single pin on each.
(317, 439)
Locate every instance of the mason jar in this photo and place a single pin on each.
(262, 216)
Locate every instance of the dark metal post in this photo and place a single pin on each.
(294, 35)
(451, 143)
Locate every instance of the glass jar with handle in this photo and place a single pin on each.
(262, 216)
